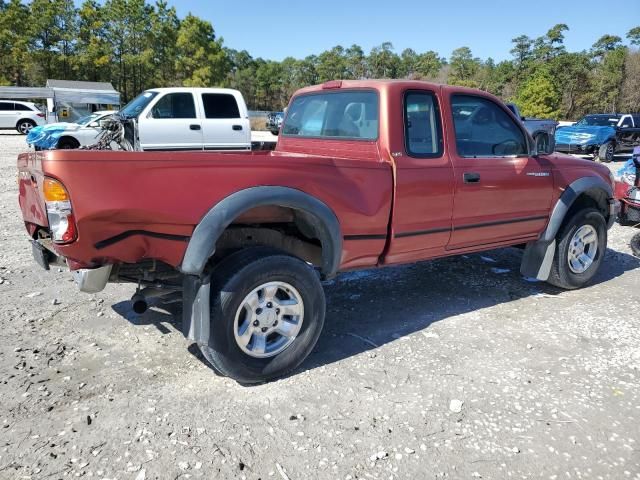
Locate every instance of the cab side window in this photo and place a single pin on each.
(6, 106)
(423, 135)
(175, 105)
(626, 122)
(483, 129)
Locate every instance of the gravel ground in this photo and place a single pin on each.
(456, 368)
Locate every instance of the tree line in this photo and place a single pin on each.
(136, 45)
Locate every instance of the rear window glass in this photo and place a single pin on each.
(220, 105)
(24, 108)
(348, 114)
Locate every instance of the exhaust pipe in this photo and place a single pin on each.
(139, 303)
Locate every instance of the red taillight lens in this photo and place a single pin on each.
(62, 223)
(41, 115)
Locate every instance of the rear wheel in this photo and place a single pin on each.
(581, 246)
(267, 312)
(606, 152)
(25, 126)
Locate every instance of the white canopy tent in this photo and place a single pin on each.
(63, 97)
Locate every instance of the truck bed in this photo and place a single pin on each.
(120, 220)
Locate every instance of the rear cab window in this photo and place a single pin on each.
(347, 114)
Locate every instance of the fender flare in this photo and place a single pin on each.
(323, 220)
(538, 255)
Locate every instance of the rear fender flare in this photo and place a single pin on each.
(538, 255)
(324, 222)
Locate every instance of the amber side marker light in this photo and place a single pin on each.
(62, 223)
(54, 191)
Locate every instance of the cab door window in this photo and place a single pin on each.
(175, 105)
(483, 129)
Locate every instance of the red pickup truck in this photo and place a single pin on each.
(365, 174)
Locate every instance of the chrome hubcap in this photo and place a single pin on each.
(583, 249)
(268, 319)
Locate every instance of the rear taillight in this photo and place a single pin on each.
(41, 115)
(61, 220)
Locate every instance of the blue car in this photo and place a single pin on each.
(600, 135)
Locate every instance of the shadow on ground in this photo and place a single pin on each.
(367, 309)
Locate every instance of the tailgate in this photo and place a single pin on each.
(30, 179)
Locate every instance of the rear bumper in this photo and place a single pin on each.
(92, 280)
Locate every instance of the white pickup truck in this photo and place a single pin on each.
(189, 119)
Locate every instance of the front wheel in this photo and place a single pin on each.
(267, 312)
(581, 246)
(606, 152)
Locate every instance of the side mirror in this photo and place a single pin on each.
(545, 143)
(94, 125)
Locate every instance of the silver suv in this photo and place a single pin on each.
(22, 116)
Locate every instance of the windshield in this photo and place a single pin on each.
(135, 106)
(599, 121)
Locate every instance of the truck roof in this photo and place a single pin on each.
(388, 85)
(193, 89)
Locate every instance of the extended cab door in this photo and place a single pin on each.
(502, 193)
(424, 178)
(628, 133)
(224, 125)
(171, 123)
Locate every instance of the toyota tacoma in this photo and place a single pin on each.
(365, 174)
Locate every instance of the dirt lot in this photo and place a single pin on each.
(457, 368)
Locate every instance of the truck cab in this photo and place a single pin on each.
(190, 119)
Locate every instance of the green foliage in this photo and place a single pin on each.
(137, 45)
(537, 97)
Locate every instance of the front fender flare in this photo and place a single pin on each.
(538, 255)
(324, 223)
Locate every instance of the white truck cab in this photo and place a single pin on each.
(190, 119)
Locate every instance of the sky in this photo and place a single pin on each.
(275, 29)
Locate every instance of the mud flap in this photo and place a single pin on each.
(195, 308)
(537, 259)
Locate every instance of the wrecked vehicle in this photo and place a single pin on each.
(365, 174)
(601, 135)
(67, 136)
(627, 190)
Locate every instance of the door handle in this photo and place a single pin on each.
(194, 127)
(471, 177)
(237, 127)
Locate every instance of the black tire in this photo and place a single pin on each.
(635, 244)
(25, 126)
(606, 152)
(67, 143)
(561, 275)
(232, 280)
(275, 132)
